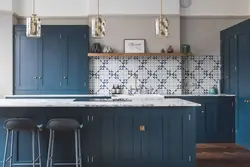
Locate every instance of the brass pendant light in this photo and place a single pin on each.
(98, 25)
(33, 24)
(162, 25)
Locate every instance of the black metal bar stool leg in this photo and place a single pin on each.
(6, 147)
(76, 148)
(52, 148)
(33, 149)
(79, 147)
(39, 148)
(49, 149)
(11, 147)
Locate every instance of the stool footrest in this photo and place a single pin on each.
(62, 164)
(22, 164)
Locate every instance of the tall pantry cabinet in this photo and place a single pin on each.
(235, 56)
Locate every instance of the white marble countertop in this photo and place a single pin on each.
(56, 96)
(145, 96)
(70, 103)
(203, 95)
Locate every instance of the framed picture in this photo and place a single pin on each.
(134, 45)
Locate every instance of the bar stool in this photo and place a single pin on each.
(64, 124)
(21, 124)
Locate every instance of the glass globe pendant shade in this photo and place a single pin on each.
(162, 26)
(33, 26)
(98, 27)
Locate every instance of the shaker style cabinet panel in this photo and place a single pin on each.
(128, 138)
(55, 63)
(239, 61)
(243, 136)
(215, 119)
(75, 62)
(26, 61)
(50, 60)
(229, 63)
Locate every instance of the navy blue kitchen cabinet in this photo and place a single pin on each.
(75, 61)
(56, 63)
(229, 63)
(50, 59)
(215, 119)
(139, 137)
(243, 136)
(25, 61)
(240, 58)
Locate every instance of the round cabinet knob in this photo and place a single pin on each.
(65, 77)
(40, 77)
(35, 77)
(202, 112)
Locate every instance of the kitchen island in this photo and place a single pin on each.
(132, 133)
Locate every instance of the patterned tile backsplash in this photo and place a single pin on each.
(156, 74)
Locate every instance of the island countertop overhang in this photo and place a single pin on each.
(71, 103)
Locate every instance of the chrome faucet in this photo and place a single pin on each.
(136, 89)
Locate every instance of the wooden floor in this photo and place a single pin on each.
(222, 155)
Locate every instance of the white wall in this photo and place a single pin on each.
(85, 7)
(81, 8)
(134, 6)
(139, 27)
(6, 52)
(53, 8)
(5, 5)
(218, 7)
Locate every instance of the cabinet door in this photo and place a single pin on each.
(200, 124)
(233, 55)
(75, 59)
(25, 62)
(50, 74)
(225, 60)
(229, 61)
(99, 138)
(211, 121)
(226, 119)
(243, 123)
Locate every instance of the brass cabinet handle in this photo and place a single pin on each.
(142, 128)
(65, 77)
(247, 101)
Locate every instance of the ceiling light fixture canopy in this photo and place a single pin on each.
(33, 24)
(98, 25)
(162, 25)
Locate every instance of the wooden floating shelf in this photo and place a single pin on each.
(138, 54)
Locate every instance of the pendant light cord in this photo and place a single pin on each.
(33, 6)
(161, 8)
(98, 3)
